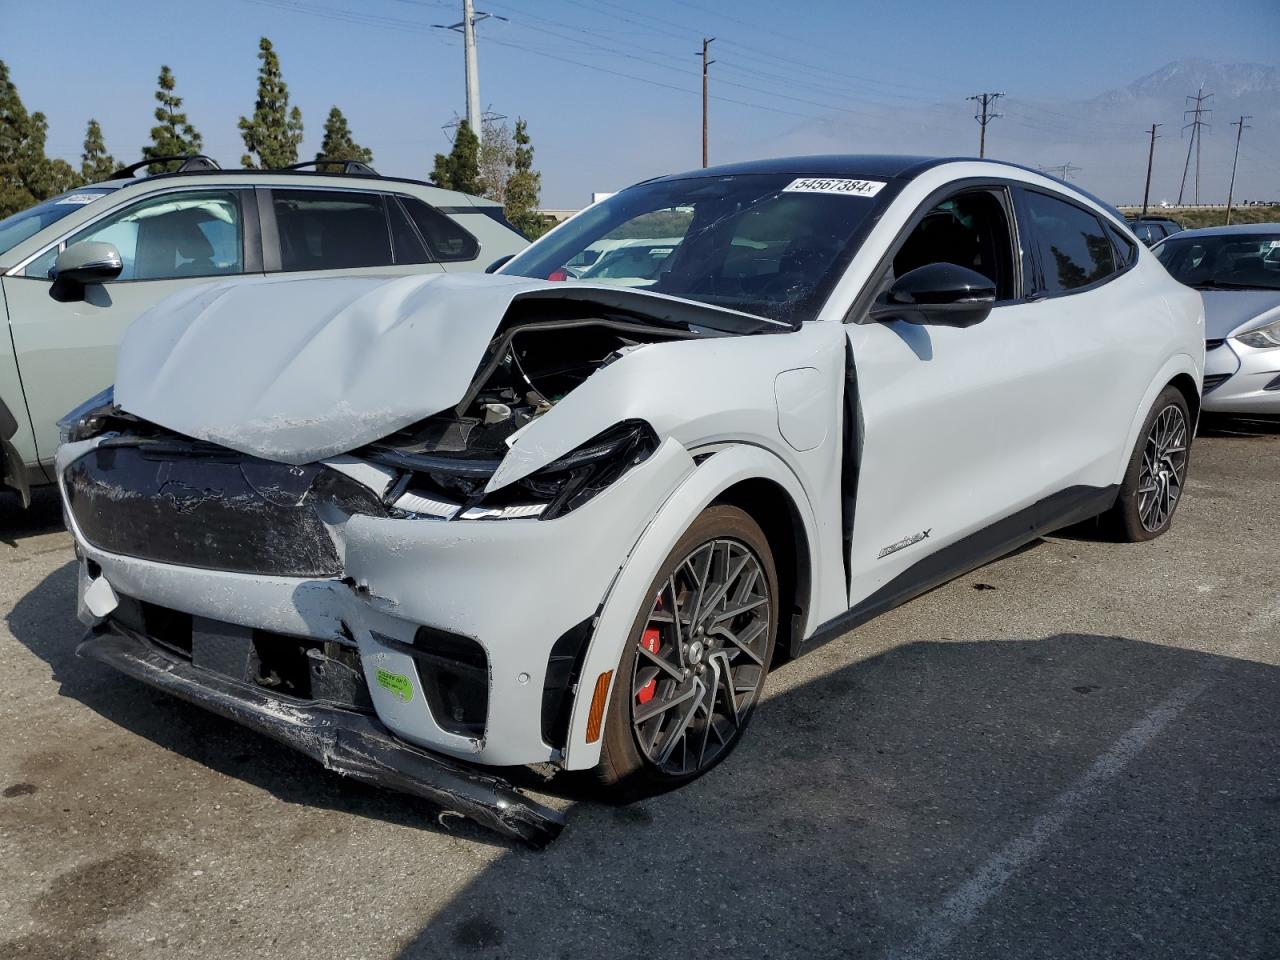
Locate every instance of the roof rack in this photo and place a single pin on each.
(191, 163)
(356, 168)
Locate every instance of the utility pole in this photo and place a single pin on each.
(1151, 154)
(1195, 124)
(1241, 127)
(706, 42)
(467, 27)
(982, 113)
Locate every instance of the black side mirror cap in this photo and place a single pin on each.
(943, 294)
(499, 263)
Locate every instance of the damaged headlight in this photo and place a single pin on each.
(579, 475)
(88, 419)
(453, 487)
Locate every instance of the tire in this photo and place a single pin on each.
(642, 757)
(1157, 474)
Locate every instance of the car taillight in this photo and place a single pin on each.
(557, 275)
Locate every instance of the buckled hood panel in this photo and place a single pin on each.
(296, 370)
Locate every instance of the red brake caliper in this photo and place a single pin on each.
(651, 640)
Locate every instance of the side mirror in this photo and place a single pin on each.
(83, 263)
(499, 263)
(938, 293)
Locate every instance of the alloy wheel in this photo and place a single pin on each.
(1164, 464)
(701, 657)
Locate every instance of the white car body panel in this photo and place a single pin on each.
(951, 433)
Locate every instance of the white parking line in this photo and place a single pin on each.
(963, 905)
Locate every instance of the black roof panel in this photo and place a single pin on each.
(857, 165)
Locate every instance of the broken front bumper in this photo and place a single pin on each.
(351, 743)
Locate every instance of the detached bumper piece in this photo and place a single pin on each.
(349, 742)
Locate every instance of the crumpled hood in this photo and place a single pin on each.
(1227, 311)
(299, 369)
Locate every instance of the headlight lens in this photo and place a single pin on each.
(1268, 336)
(87, 420)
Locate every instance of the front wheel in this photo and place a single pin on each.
(1157, 473)
(696, 660)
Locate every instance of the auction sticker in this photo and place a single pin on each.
(848, 188)
(399, 685)
(79, 198)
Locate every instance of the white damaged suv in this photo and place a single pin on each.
(418, 527)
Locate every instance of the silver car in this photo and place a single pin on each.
(76, 270)
(1237, 271)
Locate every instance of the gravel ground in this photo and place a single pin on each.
(1073, 752)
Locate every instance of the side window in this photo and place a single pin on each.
(187, 234)
(1126, 250)
(331, 229)
(970, 230)
(409, 247)
(1073, 248)
(445, 239)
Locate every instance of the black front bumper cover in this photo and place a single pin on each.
(351, 743)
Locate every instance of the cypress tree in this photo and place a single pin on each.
(460, 168)
(524, 186)
(273, 134)
(338, 143)
(95, 162)
(173, 135)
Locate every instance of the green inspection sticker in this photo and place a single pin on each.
(397, 683)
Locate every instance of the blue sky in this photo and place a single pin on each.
(611, 87)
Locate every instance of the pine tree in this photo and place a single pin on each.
(524, 186)
(172, 136)
(95, 163)
(27, 176)
(338, 143)
(460, 169)
(272, 136)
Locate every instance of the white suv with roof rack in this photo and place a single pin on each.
(77, 269)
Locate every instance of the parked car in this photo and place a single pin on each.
(434, 525)
(1151, 230)
(1237, 271)
(77, 269)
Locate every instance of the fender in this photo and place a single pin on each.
(1175, 365)
(631, 587)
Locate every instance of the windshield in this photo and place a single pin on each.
(772, 245)
(27, 223)
(1248, 261)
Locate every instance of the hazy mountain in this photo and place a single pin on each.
(1103, 135)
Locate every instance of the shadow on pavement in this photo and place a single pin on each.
(1222, 425)
(185, 729)
(863, 800)
(43, 516)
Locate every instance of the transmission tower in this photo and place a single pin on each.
(1194, 124)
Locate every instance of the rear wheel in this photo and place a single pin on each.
(1157, 473)
(696, 661)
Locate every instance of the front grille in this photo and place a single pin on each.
(1213, 344)
(192, 505)
(1214, 380)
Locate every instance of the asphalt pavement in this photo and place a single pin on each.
(1072, 752)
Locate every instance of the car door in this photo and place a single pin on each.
(168, 241)
(339, 231)
(951, 421)
(1100, 326)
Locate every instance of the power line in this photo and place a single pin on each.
(1241, 127)
(981, 114)
(1195, 124)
